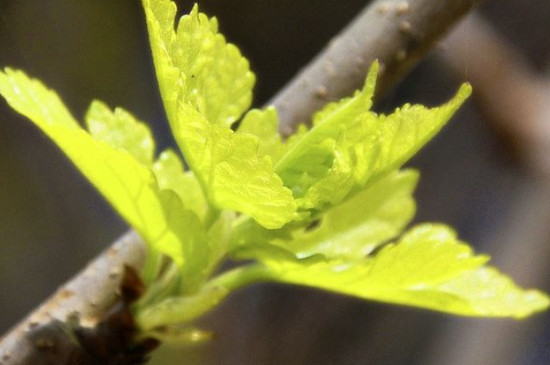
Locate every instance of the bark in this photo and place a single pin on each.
(42, 338)
(397, 33)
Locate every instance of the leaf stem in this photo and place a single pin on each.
(178, 310)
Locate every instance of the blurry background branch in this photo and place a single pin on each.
(514, 98)
(516, 102)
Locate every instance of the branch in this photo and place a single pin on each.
(90, 295)
(398, 33)
(513, 97)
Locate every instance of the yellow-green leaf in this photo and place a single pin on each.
(427, 268)
(125, 182)
(353, 146)
(170, 174)
(264, 125)
(233, 173)
(206, 85)
(357, 226)
(121, 129)
(195, 64)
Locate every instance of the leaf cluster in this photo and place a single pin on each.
(326, 208)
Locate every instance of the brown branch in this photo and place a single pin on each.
(398, 33)
(90, 295)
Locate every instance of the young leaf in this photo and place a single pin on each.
(205, 84)
(315, 206)
(427, 268)
(264, 125)
(122, 130)
(325, 145)
(355, 147)
(404, 132)
(125, 182)
(196, 65)
(357, 226)
(350, 230)
(168, 169)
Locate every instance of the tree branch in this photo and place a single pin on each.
(513, 96)
(89, 295)
(398, 33)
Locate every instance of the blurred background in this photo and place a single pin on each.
(52, 222)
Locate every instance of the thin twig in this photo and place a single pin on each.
(398, 33)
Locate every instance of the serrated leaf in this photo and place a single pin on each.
(195, 64)
(160, 17)
(325, 145)
(427, 268)
(350, 230)
(206, 85)
(236, 177)
(492, 294)
(218, 79)
(357, 226)
(409, 128)
(264, 125)
(125, 182)
(179, 190)
(358, 146)
(121, 129)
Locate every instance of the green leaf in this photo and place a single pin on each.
(408, 129)
(356, 227)
(125, 182)
(219, 235)
(196, 65)
(233, 173)
(321, 156)
(168, 169)
(353, 147)
(121, 129)
(264, 125)
(160, 17)
(350, 230)
(427, 268)
(205, 84)
(185, 231)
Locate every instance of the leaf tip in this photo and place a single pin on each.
(464, 92)
(372, 76)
